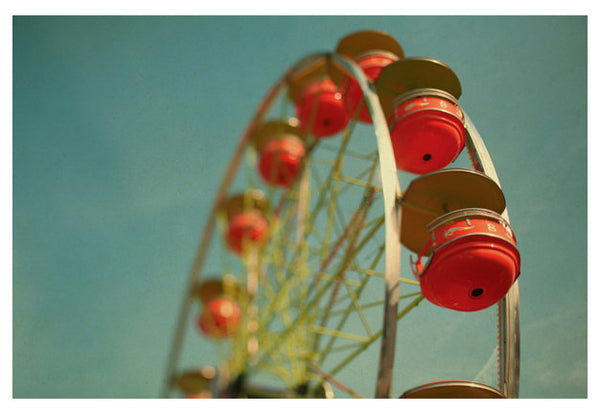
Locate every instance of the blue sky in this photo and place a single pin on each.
(122, 127)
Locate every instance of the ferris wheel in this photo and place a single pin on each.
(310, 224)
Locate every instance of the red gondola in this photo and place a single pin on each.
(427, 130)
(371, 50)
(321, 110)
(247, 224)
(220, 318)
(246, 230)
(280, 148)
(453, 389)
(475, 260)
(318, 101)
(419, 97)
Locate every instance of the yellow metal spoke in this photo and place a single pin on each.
(382, 275)
(338, 334)
(359, 310)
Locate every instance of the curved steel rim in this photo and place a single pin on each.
(508, 307)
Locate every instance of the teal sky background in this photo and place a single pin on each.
(122, 127)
